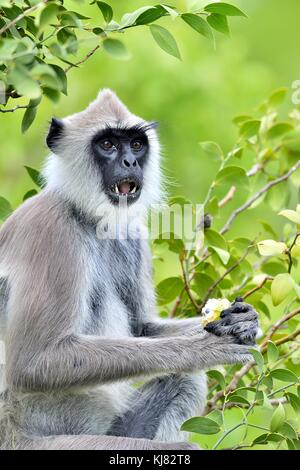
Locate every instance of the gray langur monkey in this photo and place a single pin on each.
(79, 308)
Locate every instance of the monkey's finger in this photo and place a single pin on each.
(242, 317)
(236, 308)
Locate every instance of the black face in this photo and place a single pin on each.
(121, 155)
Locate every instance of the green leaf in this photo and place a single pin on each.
(235, 398)
(278, 129)
(201, 425)
(213, 238)
(212, 149)
(130, 18)
(272, 352)
(217, 416)
(151, 15)
(271, 248)
(116, 48)
(288, 431)
(224, 255)
(262, 439)
(291, 141)
(171, 10)
(212, 206)
(23, 83)
(62, 77)
(165, 40)
(250, 128)
(106, 11)
(277, 97)
(240, 119)
(268, 228)
(293, 216)
(52, 94)
(258, 358)
(285, 375)
(30, 114)
(201, 284)
(294, 401)
(168, 289)
(281, 287)
(234, 176)
(219, 23)
(216, 375)
(5, 208)
(47, 15)
(36, 176)
(198, 24)
(278, 418)
(29, 194)
(224, 9)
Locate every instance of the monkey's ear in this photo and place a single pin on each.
(55, 133)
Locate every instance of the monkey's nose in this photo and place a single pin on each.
(129, 162)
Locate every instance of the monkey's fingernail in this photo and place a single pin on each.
(239, 299)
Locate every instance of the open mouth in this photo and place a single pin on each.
(125, 187)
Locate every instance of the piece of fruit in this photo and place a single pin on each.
(212, 310)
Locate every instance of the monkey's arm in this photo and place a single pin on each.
(173, 327)
(239, 321)
(78, 360)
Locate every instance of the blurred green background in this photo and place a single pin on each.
(194, 99)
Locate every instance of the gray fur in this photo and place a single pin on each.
(81, 317)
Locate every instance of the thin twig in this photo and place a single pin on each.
(11, 110)
(229, 196)
(278, 324)
(228, 271)
(88, 55)
(256, 196)
(187, 285)
(250, 292)
(173, 312)
(290, 337)
(255, 169)
(289, 253)
(21, 16)
(232, 404)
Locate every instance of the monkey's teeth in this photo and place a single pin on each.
(133, 190)
(116, 189)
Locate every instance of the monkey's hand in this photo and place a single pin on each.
(239, 321)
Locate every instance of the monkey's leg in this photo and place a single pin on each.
(161, 405)
(90, 442)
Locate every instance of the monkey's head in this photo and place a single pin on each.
(103, 155)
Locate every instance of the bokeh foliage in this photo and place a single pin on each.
(195, 99)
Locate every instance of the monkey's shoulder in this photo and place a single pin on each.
(40, 222)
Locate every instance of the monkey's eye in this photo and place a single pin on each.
(107, 144)
(136, 145)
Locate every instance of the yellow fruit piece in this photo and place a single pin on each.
(212, 310)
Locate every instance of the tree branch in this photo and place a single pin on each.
(250, 292)
(278, 324)
(254, 198)
(88, 55)
(11, 110)
(228, 197)
(290, 252)
(187, 285)
(22, 15)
